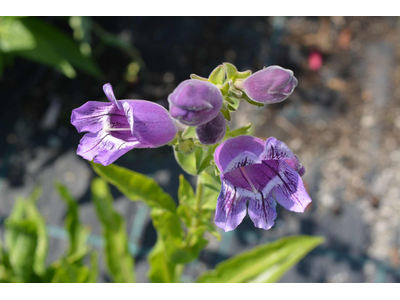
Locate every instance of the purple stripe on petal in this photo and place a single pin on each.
(227, 153)
(288, 190)
(278, 150)
(92, 116)
(108, 90)
(104, 147)
(262, 211)
(231, 207)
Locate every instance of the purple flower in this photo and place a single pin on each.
(262, 173)
(213, 131)
(117, 127)
(195, 102)
(271, 85)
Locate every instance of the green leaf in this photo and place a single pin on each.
(94, 268)
(119, 261)
(245, 97)
(186, 194)
(135, 186)
(239, 131)
(78, 234)
(189, 133)
(233, 103)
(244, 74)
(15, 36)
(212, 188)
(230, 70)
(162, 270)
(194, 76)
(226, 114)
(169, 227)
(265, 263)
(22, 255)
(28, 225)
(56, 49)
(186, 161)
(217, 76)
(187, 201)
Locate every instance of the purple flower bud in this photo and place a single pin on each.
(195, 102)
(213, 131)
(271, 85)
(122, 125)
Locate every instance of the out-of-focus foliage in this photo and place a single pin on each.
(23, 259)
(36, 40)
(180, 237)
(179, 230)
(265, 263)
(119, 261)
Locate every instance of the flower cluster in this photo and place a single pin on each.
(251, 170)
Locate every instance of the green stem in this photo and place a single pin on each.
(199, 194)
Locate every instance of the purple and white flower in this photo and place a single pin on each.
(118, 126)
(262, 173)
(195, 102)
(270, 85)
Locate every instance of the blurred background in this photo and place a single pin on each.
(343, 121)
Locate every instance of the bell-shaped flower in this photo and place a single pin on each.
(213, 131)
(262, 173)
(270, 85)
(195, 102)
(118, 126)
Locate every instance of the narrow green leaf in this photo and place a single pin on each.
(239, 131)
(217, 76)
(243, 74)
(212, 188)
(94, 268)
(265, 263)
(119, 261)
(189, 132)
(162, 270)
(206, 162)
(194, 76)
(22, 255)
(135, 186)
(186, 194)
(245, 97)
(61, 44)
(198, 154)
(230, 70)
(233, 103)
(78, 234)
(15, 36)
(226, 114)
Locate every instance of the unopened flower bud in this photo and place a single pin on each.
(270, 85)
(213, 131)
(195, 102)
(186, 146)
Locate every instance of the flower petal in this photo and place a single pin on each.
(150, 123)
(262, 211)
(286, 187)
(231, 206)
(278, 150)
(105, 147)
(237, 152)
(108, 90)
(92, 116)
